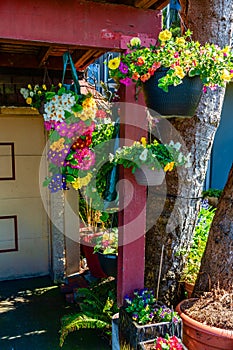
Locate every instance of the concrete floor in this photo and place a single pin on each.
(30, 312)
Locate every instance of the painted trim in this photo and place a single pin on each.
(11, 144)
(15, 249)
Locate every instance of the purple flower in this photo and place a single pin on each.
(58, 158)
(57, 183)
(205, 204)
(123, 68)
(175, 319)
(126, 81)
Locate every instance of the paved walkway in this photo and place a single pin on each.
(30, 312)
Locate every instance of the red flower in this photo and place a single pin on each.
(140, 61)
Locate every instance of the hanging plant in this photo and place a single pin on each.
(70, 119)
(181, 63)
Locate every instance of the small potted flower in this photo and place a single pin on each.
(106, 246)
(173, 72)
(163, 343)
(150, 161)
(143, 317)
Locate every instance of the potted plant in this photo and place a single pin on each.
(203, 328)
(106, 247)
(173, 72)
(201, 232)
(150, 161)
(143, 317)
(163, 343)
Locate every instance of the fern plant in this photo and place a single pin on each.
(97, 306)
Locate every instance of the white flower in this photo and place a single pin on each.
(111, 157)
(176, 145)
(143, 155)
(188, 163)
(24, 92)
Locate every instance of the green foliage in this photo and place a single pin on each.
(144, 308)
(181, 56)
(212, 192)
(97, 306)
(201, 232)
(154, 155)
(107, 243)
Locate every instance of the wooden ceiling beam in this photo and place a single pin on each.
(43, 56)
(146, 4)
(85, 23)
(87, 58)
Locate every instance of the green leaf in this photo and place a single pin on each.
(70, 178)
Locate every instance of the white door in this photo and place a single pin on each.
(24, 236)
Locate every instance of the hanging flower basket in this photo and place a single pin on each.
(180, 101)
(147, 177)
(208, 66)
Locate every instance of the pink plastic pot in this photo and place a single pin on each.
(92, 259)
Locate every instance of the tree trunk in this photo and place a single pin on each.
(171, 233)
(217, 263)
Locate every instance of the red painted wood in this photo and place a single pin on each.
(132, 220)
(87, 24)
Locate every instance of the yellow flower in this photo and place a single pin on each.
(180, 41)
(60, 85)
(169, 166)
(44, 87)
(165, 35)
(114, 63)
(81, 181)
(135, 41)
(89, 103)
(105, 236)
(29, 86)
(226, 76)
(39, 92)
(143, 141)
(179, 72)
(226, 49)
(58, 145)
(29, 100)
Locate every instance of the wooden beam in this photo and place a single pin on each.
(43, 56)
(83, 23)
(145, 4)
(132, 218)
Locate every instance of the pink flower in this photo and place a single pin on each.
(123, 68)
(126, 81)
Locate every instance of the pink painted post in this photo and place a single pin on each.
(132, 218)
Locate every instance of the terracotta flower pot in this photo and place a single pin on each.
(188, 288)
(198, 336)
(147, 177)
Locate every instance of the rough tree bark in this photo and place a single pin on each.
(209, 21)
(217, 263)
